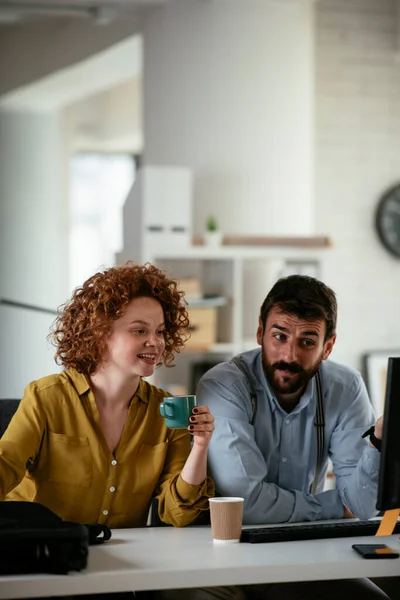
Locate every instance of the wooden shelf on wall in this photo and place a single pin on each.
(271, 241)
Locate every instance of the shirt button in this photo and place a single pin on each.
(287, 421)
(113, 462)
(284, 459)
(112, 489)
(105, 512)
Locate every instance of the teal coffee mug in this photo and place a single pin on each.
(177, 411)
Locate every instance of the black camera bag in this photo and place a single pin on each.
(33, 539)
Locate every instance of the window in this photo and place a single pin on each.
(99, 185)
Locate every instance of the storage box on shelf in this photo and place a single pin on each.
(202, 311)
(202, 328)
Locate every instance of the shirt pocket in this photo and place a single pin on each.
(69, 460)
(149, 465)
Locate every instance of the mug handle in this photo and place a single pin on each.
(164, 406)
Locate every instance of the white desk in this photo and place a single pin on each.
(164, 558)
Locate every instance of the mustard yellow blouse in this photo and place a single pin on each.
(54, 452)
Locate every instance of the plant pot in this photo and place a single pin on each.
(213, 238)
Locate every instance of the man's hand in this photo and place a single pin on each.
(347, 514)
(379, 428)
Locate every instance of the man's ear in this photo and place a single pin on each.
(328, 347)
(260, 332)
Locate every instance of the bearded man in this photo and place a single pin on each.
(283, 410)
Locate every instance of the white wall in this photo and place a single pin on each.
(357, 158)
(33, 239)
(33, 242)
(228, 91)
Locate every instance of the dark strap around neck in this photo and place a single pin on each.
(253, 394)
(319, 423)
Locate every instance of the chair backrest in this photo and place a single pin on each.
(154, 519)
(7, 410)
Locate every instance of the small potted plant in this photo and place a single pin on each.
(213, 235)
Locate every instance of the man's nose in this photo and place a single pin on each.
(290, 353)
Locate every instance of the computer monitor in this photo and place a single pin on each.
(389, 473)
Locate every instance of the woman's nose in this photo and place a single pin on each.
(153, 340)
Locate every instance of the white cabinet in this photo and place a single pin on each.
(157, 213)
(243, 275)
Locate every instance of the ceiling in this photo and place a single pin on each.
(119, 63)
(103, 12)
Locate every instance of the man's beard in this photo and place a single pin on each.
(290, 385)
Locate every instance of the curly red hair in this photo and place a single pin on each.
(81, 330)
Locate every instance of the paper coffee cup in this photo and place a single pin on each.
(226, 519)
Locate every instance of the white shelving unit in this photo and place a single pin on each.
(241, 274)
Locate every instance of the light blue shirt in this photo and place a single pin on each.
(272, 463)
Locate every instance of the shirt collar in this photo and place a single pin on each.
(81, 383)
(143, 392)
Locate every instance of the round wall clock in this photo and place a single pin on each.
(388, 220)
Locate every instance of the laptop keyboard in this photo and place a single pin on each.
(311, 531)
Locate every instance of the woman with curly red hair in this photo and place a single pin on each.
(89, 443)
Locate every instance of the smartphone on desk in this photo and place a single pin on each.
(375, 551)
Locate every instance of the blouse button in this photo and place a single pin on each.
(105, 512)
(113, 462)
(112, 489)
